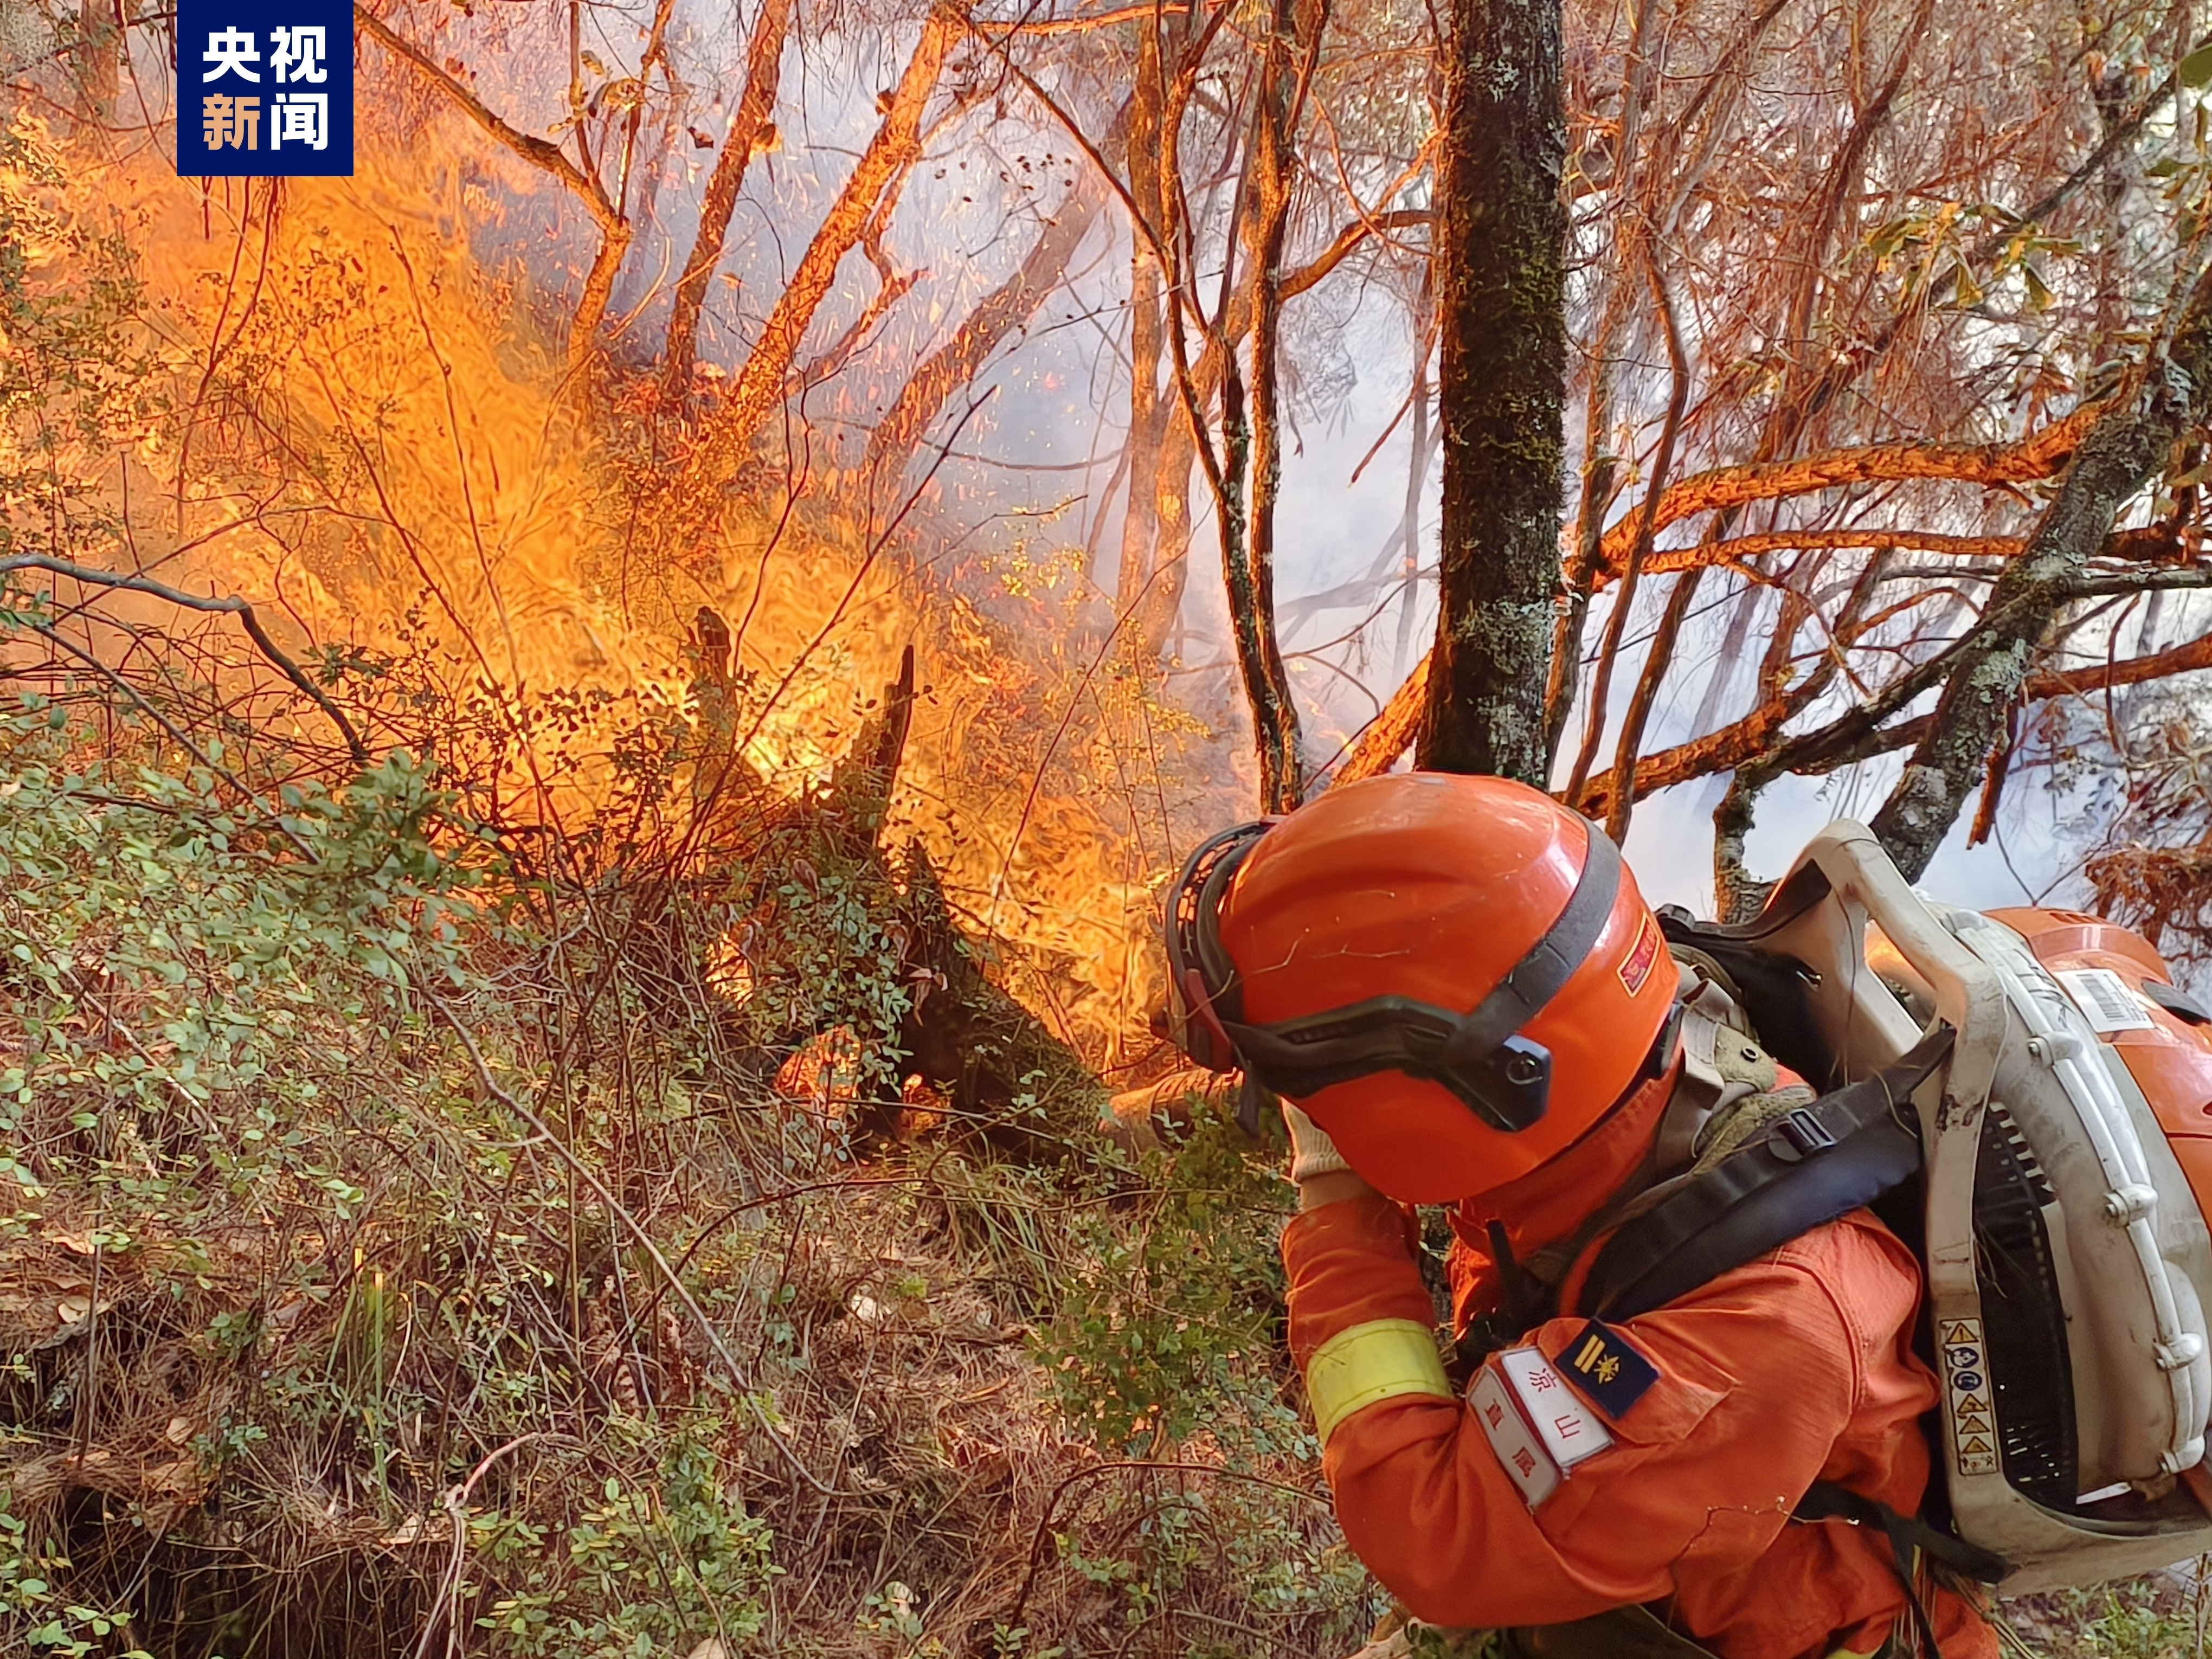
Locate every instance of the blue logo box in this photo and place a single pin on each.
(265, 89)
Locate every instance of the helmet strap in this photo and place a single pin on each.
(1481, 1056)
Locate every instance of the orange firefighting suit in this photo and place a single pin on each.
(1794, 1368)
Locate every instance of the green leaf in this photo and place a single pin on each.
(2195, 69)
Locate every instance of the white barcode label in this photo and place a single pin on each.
(2105, 1000)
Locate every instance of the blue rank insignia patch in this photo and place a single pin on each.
(1605, 1369)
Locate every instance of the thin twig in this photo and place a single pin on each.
(1013, 1613)
(232, 607)
(615, 1208)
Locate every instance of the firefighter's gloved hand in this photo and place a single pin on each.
(1312, 1152)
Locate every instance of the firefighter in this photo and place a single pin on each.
(1456, 988)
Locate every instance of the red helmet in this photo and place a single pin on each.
(1455, 976)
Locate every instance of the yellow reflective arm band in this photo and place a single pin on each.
(1368, 1363)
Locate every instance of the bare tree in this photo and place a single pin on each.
(750, 128)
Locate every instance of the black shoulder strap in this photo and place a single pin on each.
(1817, 1163)
(1770, 984)
(1909, 1538)
(1826, 1501)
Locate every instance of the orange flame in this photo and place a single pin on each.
(372, 422)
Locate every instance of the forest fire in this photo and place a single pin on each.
(384, 462)
(603, 715)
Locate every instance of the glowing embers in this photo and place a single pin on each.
(729, 969)
(830, 1072)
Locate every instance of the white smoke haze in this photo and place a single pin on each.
(1016, 499)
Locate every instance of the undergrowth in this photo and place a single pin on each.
(428, 1226)
(387, 1266)
(2163, 1616)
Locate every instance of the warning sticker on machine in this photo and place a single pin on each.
(2105, 1000)
(1973, 1425)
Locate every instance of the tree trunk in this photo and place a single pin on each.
(1989, 666)
(1275, 714)
(1172, 530)
(1501, 385)
(756, 110)
(1600, 465)
(1416, 475)
(592, 304)
(761, 383)
(1148, 416)
(1624, 598)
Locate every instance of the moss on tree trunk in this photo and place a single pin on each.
(1501, 381)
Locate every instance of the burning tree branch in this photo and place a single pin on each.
(747, 137)
(583, 182)
(893, 149)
